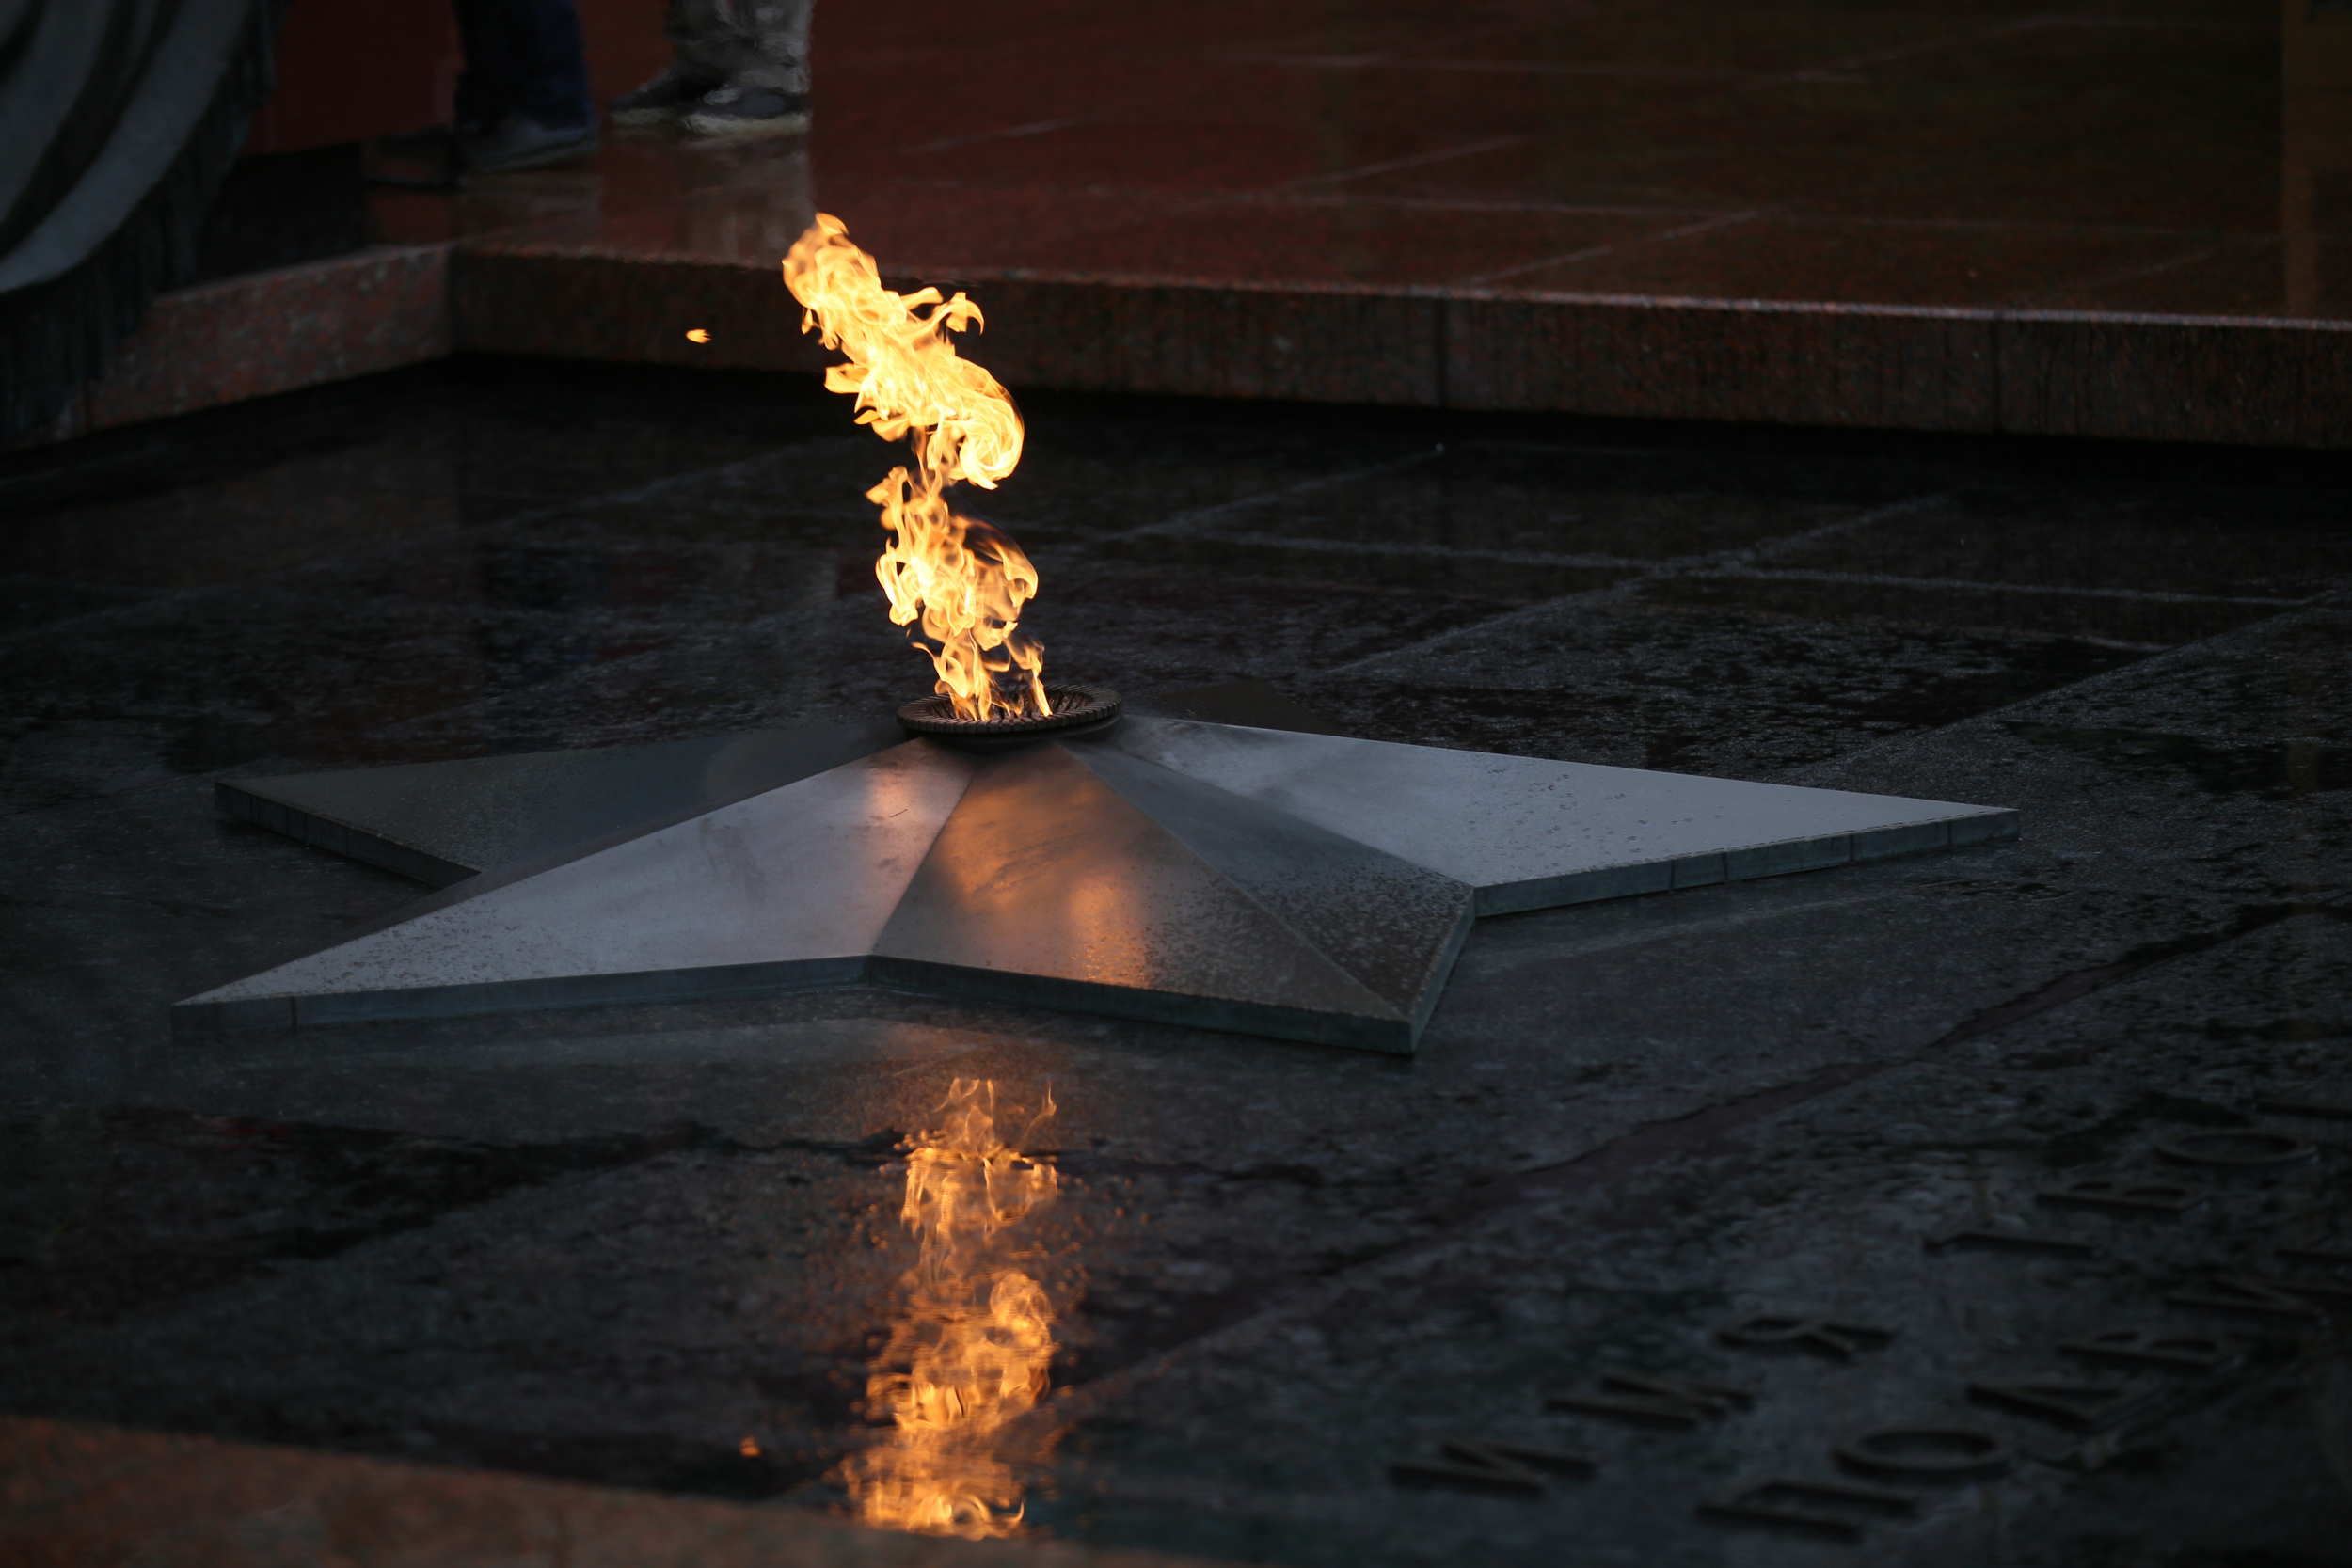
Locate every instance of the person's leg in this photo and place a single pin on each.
(773, 45)
(686, 78)
(707, 40)
(485, 82)
(782, 27)
(547, 116)
(738, 67)
(759, 49)
(554, 85)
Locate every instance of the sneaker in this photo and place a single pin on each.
(747, 112)
(518, 142)
(666, 97)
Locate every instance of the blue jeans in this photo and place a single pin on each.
(522, 57)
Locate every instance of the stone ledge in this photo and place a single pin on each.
(74, 1495)
(2234, 381)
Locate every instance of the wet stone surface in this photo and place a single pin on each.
(2265, 541)
(659, 1247)
(1743, 695)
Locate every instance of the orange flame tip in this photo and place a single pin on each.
(959, 583)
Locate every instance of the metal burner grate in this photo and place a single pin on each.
(1077, 711)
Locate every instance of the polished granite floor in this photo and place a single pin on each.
(2185, 158)
(658, 1249)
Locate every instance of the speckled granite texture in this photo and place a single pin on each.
(658, 1249)
(2067, 218)
(2061, 219)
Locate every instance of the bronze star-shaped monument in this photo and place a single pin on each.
(1309, 886)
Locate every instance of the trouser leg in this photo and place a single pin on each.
(554, 88)
(521, 56)
(746, 43)
(486, 86)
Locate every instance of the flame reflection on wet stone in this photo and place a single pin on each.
(969, 1351)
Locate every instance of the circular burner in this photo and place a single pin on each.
(1077, 711)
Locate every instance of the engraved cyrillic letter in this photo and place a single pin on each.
(2130, 1198)
(1928, 1453)
(1512, 1467)
(2244, 1292)
(2084, 1406)
(1653, 1401)
(1769, 1331)
(2156, 1347)
(2236, 1146)
(2011, 1241)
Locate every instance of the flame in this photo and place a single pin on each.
(971, 1352)
(697, 334)
(958, 581)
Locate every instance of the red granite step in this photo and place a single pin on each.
(2056, 219)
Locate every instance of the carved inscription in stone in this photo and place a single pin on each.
(2236, 1146)
(1653, 1401)
(2102, 1400)
(2067, 1402)
(1773, 1331)
(2168, 1349)
(1926, 1454)
(1491, 1467)
(2255, 1294)
(2010, 1241)
(2122, 1196)
(1921, 1453)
